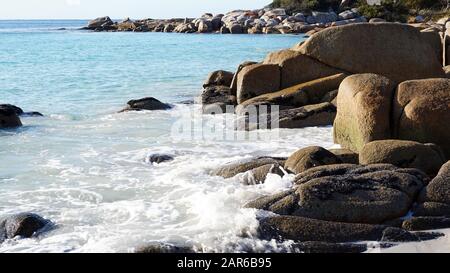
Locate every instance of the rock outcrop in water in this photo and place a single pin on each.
(9, 117)
(149, 104)
(24, 225)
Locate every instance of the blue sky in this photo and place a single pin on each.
(86, 9)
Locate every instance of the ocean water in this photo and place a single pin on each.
(84, 166)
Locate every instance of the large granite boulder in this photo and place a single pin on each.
(297, 68)
(349, 193)
(364, 106)
(257, 79)
(22, 224)
(420, 112)
(9, 117)
(308, 158)
(405, 154)
(396, 51)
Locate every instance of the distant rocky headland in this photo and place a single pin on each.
(263, 21)
(281, 17)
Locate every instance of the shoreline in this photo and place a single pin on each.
(260, 21)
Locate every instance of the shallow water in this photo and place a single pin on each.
(84, 166)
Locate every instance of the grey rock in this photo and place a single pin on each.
(149, 103)
(23, 224)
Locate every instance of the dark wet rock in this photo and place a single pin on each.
(426, 223)
(160, 248)
(11, 108)
(324, 247)
(428, 236)
(259, 175)
(100, 23)
(370, 194)
(219, 77)
(306, 230)
(9, 117)
(146, 104)
(32, 114)
(234, 168)
(215, 99)
(19, 111)
(432, 209)
(22, 224)
(396, 223)
(159, 158)
(310, 157)
(392, 234)
(346, 156)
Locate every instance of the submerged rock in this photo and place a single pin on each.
(9, 117)
(149, 103)
(258, 175)
(159, 158)
(22, 224)
(234, 168)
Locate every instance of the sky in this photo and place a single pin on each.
(117, 9)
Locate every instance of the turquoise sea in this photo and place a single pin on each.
(84, 166)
